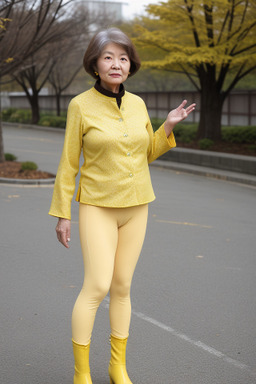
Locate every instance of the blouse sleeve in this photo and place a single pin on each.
(159, 143)
(64, 187)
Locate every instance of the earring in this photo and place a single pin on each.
(129, 73)
(96, 73)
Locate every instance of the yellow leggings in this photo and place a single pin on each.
(111, 241)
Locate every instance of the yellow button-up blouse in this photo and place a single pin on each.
(117, 143)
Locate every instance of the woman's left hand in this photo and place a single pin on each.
(177, 115)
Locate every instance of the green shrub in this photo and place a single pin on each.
(239, 134)
(156, 122)
(185, 132)
(48, 119)
(53, 121)
(53, 113)
(6, 113)
(205, 144)
(29, 165)
(10, 157)
(21, 116)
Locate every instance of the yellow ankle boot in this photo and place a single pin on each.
(82, 368)
(117, 365)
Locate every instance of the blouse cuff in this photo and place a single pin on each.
(170, 140)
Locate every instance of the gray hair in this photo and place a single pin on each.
(100, 40)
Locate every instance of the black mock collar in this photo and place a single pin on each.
(118, 96)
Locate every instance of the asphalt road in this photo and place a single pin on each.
(193, 293)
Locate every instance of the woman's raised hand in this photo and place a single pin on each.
(63, 230)
(177, 115)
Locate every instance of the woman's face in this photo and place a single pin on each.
(113, 67)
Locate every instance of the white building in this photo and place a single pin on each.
(113, 9)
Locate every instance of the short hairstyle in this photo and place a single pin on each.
(100, 40)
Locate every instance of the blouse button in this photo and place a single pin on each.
(128, 153)
(125, 134)
(120, 119)
(131, 175)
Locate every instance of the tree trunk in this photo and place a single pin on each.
(1, 144)
(2, 159)
(34, 102)
(57, 95)
(211, 107)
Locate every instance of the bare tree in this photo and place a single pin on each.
(32, 77)
(59, 61)
(64, 72)
(35, 71)
(25, 27)
(28, 26)
(71, 50)
(5, 11)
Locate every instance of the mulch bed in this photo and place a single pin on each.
(12, 170)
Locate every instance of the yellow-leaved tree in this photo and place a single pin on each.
(213, 42)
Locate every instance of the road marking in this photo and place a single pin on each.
(183, 223)
(186, 338)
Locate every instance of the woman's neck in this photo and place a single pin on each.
(109, 87)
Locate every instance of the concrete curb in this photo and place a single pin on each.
(207, 172)
(6, 124)
(5, 180)
(215, 160)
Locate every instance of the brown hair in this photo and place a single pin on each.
(100, 40)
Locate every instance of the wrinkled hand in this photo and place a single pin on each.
(63, 230)
(177, 115)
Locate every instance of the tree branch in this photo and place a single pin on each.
(231, 17)
(242, 36)
(222, 75)
(244, 13)
(209, 24)
(61, 89)
(223, 27)
(190, 78)
(239, 76)
(244, 49)
(191, 18)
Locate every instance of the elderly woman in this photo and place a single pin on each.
(113, 129)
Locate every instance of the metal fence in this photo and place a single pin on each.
(239, 107)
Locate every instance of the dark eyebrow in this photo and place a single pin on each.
(112, 53)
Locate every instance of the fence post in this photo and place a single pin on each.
(249, 108)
